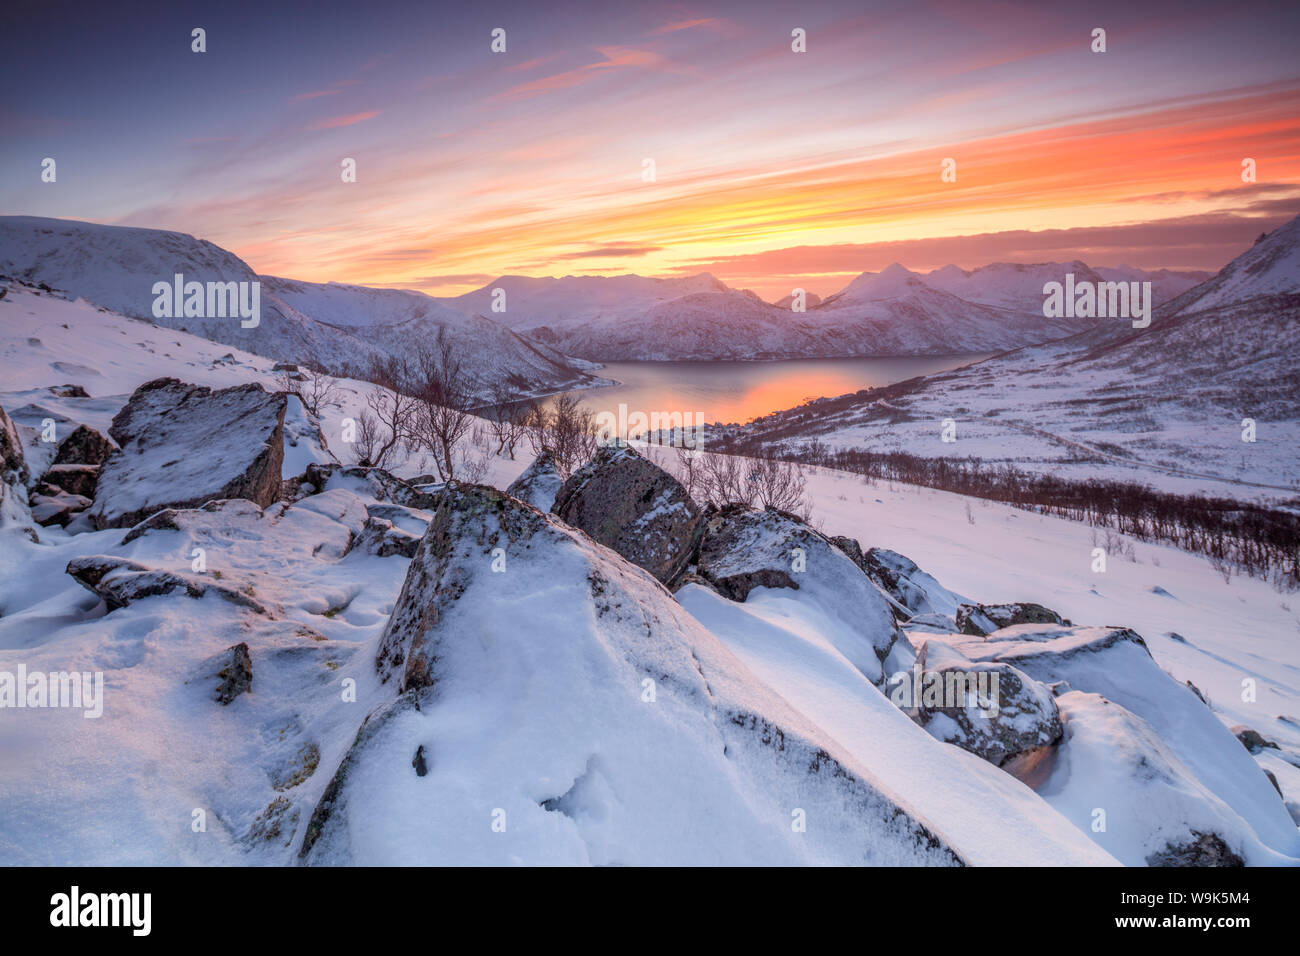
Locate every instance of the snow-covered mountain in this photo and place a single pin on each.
(1010, 285)
(894, 312)
(1164, 405)
(116, 267)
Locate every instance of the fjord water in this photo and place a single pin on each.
(740, 391)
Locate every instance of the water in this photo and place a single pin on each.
(741, 391)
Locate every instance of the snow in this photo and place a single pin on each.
(563, 742)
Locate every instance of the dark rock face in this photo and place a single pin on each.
(899, 577)
(539, 484)
(636, 508)
(1252, 739)
(120, 581)
(981, 619)
(1025, 718)
(183, 445)
(1207, 849)
(381, 537)
(73, 479)
(235, 674)
(69, 391)
(84, 446)
(13, 465)
(743, 549)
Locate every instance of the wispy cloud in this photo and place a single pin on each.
(351, 119)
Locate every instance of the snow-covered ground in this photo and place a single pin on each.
(534, 717)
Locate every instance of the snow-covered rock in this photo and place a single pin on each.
(745, 549)
(539, 483)
(1115, 663)
(981, 619)
(84, 446)
(906, 583)
(566, 709)
(120, 581)
(183, 445)
(630, 504)
(1017, 716)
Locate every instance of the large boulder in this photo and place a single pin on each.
(71, 479)
(744, 548)
(635, 507)
(979, 619)
(184, 445)
(539, 484)
(990, 709)
(549, 702)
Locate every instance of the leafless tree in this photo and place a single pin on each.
(444, 396)
(573, 433)
(391, 410)
(778, 484)
(506, 419)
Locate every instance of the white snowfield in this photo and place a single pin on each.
(766, 738)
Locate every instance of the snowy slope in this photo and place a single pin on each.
(116, 267)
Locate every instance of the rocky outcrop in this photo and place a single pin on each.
(84, 446)
(234, 674)
(120, 581)
(72, 479)
(980, 619)
(13, 475)
(906, 583)
(539, 484)
(183, 445)
(1204, 849)
(366, 481)
(632, 505)
(564, 654)
(1252, 739)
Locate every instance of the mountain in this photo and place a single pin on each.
(894, 312)
(1009, 285)
(1169, 400)
(116, 267)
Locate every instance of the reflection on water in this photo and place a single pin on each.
(741, 391)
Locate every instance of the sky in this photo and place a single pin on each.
(772, 169)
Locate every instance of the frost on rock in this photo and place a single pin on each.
(539, 483)
(630, 504)
(182, 445)
(13, 476)
(744, 548)
(570, 711)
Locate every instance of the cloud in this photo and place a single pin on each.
(678, 25)
(351, 119)
(611, 252)
(615, 57)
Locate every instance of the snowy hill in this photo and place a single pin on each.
(465, 679)
(116, 267)
(1009, 285)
